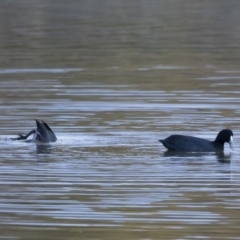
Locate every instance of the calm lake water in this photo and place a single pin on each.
(111, 78)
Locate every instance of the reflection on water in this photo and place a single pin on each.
(112, 78)
(220, 156)
(43, 148)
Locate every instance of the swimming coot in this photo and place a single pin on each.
(43, 133)
(184, 143)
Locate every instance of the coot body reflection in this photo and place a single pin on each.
(43, 133)
(182, 143)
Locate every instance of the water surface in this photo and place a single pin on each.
(112, 78)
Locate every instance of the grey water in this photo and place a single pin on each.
(111, 78)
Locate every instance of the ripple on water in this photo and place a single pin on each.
(107, 168)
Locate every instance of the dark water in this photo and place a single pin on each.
(111, 78)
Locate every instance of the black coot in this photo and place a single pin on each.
(43, 133)
(184, 143)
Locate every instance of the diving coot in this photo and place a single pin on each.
(43, 133)
(184, 143)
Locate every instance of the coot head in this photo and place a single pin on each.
(225, 135)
